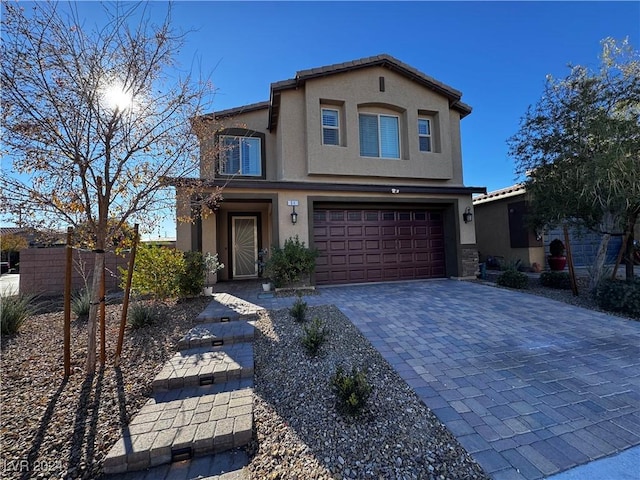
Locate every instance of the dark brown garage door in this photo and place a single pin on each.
(378, 245)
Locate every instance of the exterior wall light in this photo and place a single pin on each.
(467, 216)
(294, 215)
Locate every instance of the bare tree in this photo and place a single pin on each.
(94, 118)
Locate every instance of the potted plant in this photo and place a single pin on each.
(211, 267)
(557, 260)
(262, 263)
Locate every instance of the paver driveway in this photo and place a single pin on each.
(529, 386)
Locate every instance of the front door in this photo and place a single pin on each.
(244, 236)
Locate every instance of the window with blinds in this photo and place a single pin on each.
(379, 135)
(240, 156)
(424, 134)
(330, 127)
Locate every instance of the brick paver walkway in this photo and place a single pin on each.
(529, 386)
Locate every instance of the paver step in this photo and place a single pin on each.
(217, 334)
(226, 465)
(204, 366)
(199, 421)
(228, 308)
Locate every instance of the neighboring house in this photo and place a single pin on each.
(502, 233)
(366, 153)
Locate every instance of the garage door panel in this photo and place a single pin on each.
(389, 244)
(338, 260)
(377, 245)
(390, 258)
(356, 259)
(372, 245)
(354, 245)
(373, 259)
(337, 246)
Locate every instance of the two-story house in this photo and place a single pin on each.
(362, 160)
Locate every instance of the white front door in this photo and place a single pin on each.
(244, 234)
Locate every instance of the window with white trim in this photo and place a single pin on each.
(330, 126)
(424, 134)
(379, 135)
(240, 155)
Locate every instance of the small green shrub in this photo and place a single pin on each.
(157, 271)
(290, 264)
(140, 315)
(314, 336)
(352, 390)
(298, 310)
(513, 279)
(559, 280)
(191, 279)
(14, 310)
(81, 303)
(619, 296)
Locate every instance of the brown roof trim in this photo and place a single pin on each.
(323, 186)
(230, 112)
(383, 60)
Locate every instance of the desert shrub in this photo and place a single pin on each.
(314, 336)
(192, 278)
(513, 279)
(298, 310)
(559, 280)
(619, 296)
(352, 390)
(291, 263)
(140, 315)
(157, 271)
(14, 310)
(81, 303)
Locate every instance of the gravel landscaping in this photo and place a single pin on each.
(300, 434)
(56, 429)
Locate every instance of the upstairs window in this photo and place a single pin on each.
(424, 134)
(379, 136)
(330, 127)
(240, 156)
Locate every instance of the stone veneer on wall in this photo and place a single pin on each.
(469, 261)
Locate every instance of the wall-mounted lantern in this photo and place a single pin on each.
(467, 216)
(294, 215)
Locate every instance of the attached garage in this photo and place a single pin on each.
(372, 245)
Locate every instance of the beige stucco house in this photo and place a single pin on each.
(367, 153)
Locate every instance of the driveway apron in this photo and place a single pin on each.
(529, 386)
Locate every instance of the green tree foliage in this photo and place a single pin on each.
(579, 148)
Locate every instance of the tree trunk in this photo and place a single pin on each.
(629, 261)
(93, 311)
(597, 270)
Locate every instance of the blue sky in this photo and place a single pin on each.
(496, 53)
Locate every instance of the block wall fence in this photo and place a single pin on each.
(42, 270)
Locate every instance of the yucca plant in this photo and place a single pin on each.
(141, 315)
(14, 310)
(81, 303)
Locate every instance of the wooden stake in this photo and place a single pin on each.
(67, 304)
(103, 315)
(127, 291)
(572, 271)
